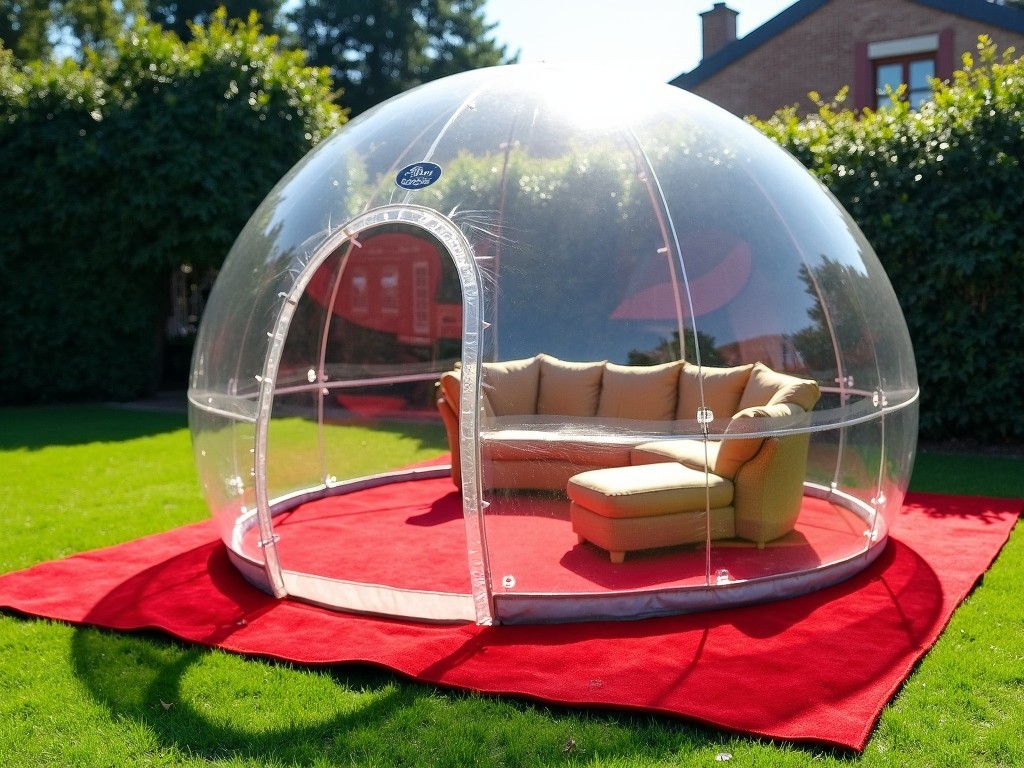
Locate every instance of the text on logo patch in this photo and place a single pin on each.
(418, 175)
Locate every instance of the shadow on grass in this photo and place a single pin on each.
(68, 425)
(167, 688)
(208, 704)
(221, 706)
(969, 474)
(429, 435)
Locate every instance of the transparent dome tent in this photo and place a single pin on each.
(508, 349)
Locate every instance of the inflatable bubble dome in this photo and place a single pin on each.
(524, 346)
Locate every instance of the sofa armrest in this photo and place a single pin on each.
(451, 428)
(449, 394)
(769, 489)
(768, 387)
(734, 452)
(770, 483)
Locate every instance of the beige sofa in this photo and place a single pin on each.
(545, 421)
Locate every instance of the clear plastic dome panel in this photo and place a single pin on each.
(663, 365)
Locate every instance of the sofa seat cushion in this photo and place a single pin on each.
(726, 456)
(621, 535)
(687, 451)
(536, 445)
(530, 475)
(648, 490)
(639, 392)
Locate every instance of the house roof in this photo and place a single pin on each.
(978, 10)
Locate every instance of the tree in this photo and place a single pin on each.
(35, 29)
(379, 48)
(25, 26)
(177, 15)
(94, 24)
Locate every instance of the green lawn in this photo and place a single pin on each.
(75, 478)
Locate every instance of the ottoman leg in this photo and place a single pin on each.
(617, 557)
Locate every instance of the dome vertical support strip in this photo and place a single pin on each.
(674, 255)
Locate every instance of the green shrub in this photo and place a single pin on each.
(938, 193)
(114, 172)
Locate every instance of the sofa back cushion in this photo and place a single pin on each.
(568, 389)
(768, 387)
(733, 453)
(723, 388)
(510, 388)
(639, 392)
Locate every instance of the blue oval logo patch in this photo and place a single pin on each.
(418, 175)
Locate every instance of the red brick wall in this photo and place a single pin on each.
(818, 53)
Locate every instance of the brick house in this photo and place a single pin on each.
(824, 45)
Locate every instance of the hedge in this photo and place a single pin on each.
(939, 194)
(117, 170)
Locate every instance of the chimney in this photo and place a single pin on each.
(719, 27)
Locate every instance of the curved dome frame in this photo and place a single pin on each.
(282, 583)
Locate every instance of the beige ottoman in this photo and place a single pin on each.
(624, 509)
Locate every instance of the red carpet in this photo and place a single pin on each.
(529, 536)
(816, 668)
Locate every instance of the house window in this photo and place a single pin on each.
(360, 293)
(910, 61)
(421, 297)
(389, 290)
(915, 72)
